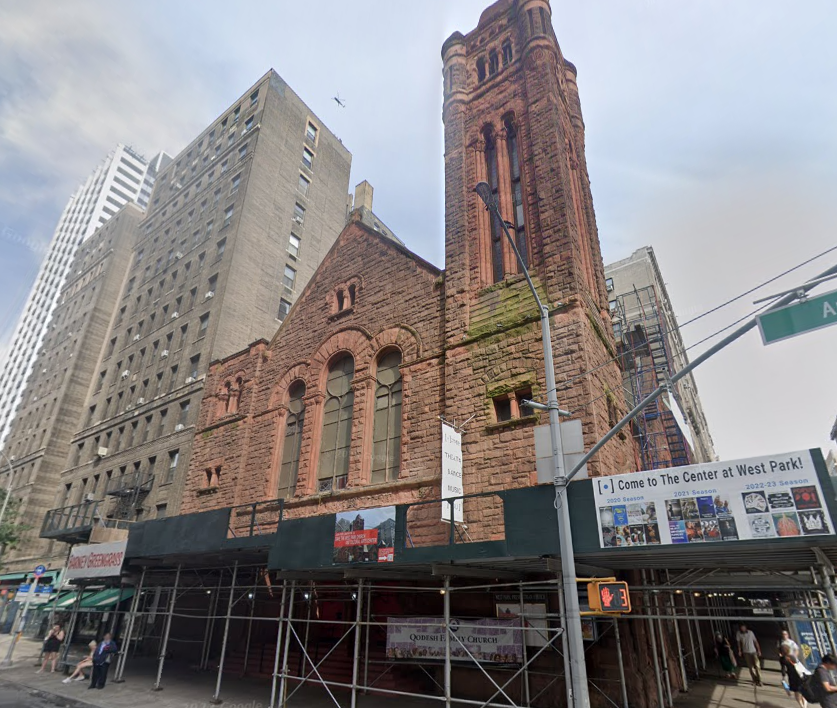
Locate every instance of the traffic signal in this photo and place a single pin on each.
(608, 596)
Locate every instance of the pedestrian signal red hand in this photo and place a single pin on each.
(607, 597)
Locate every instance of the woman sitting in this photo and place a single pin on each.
(85, 663)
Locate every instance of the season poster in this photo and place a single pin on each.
(757, 498)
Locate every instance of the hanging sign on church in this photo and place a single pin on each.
(452, 484)
(758, 498)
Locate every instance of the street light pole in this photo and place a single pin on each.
(577, 693)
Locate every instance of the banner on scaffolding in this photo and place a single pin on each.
(365, 536)
(757, 498)
(488, 641)
(98, 560)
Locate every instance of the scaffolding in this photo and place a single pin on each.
(644, 349)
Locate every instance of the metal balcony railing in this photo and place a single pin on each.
(71, 523)
(130, 483)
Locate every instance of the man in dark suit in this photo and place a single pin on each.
(101, 661)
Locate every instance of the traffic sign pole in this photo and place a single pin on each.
(21, 619)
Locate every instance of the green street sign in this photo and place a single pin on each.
(798, 318)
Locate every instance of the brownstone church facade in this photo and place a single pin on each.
(342, 409)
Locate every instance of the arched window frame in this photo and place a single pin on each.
(517, 190)
(336, 432)
(292, 442)
(387, 417)
(496, 231)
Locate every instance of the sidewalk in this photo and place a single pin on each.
(185, 688)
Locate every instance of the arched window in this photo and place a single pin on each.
(333, 472)
(386, 431)
(481, 69)
(289, 470)
(493, 63)
(517, 191)
(496, 228)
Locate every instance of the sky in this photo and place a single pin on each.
(710, 133)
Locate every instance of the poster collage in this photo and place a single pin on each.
(779, 513)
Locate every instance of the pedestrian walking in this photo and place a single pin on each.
(750, 652)
(101, 661)
(786, 641)
(795, 672)
(822, 686)
(725, 655)
(52, 645)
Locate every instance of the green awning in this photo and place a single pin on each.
(8, 577)
(64, 601)
(105, 599)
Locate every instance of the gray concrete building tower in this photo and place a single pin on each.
(52, 406)
(123, 177)
(237, 224)
(651, 349)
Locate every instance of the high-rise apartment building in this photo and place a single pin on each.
(49, 411)
(123, 177)
(672, 431)
(237, 224)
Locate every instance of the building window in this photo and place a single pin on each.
(507, 53)
(311, 132)
(235, 182)
(517, 192)
(386, 432)
(161, 430)
(333, 470)
(194, 366)
(299, 214)
(284, 309)
(293, 245)
(174, 458)
(304, 183)
(611, 305)
(493, 63)
(511, 406)
(161, 511)
(242, 152)
(254, 98)
(248, 124)
(609, 284)
(228, 215)
(308, 158)
(481, 69)
(184, 414)
(220, 248)
(204, 325)
(497, 270)
(289, 278)
(289, 470)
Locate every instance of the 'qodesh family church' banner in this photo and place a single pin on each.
(760, 498)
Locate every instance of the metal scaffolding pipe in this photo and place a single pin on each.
(663, 652)
(368, 632)
(699, 635)
(691, 632)
(564, 652)
(675, 622)
(280, 627)
(206, 650)
(356, 652)
(525, 657)
(447, 640)
(167, 629)
(252, 599)
(286, 648)
(653, 635)
(622, 685)
(216, 697)
(123, 654)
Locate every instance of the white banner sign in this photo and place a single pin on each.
(497, 641)
(98, 560)
(757, 498)
(452, 485)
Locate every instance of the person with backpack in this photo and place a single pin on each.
(795, 672)
(821, 686)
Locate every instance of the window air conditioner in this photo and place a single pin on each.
(209, 295)
(190, 379)
(177, 185)
(137, 337)
(140, 401)
(102, 452)
(178, 255)
(175, 315)
(298, 220)
(164, 353)
(179, 427)
(89, 497)
(126, 374)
